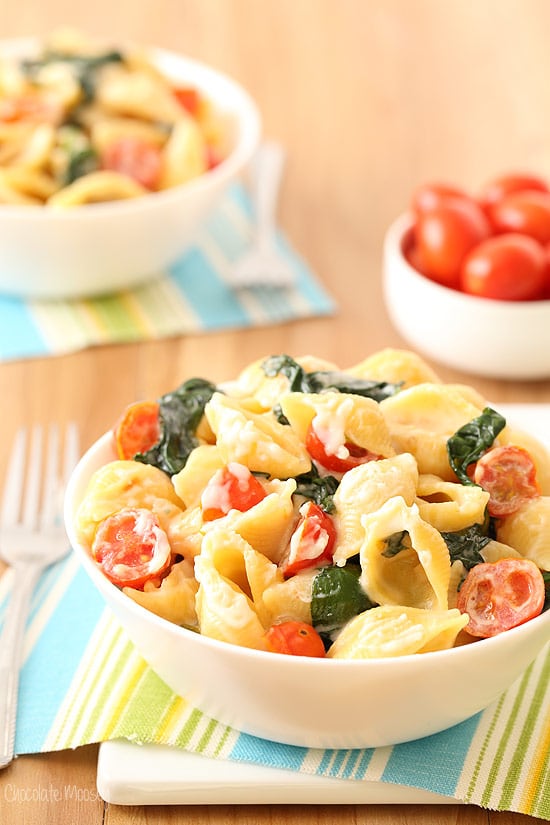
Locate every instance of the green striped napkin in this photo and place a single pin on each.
(193, 296)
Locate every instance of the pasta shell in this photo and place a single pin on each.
(174, 599)
(255, 439)
(448, 506)
(395, 366)
(388, 631)
(290, 600)
(536, 449)
(202, 464)
(527, 531)
(417, 575)
(364, 490)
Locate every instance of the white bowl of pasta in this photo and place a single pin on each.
(321, 609)
(504, 339)
(111, 159)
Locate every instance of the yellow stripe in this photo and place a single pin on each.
(171, 720)
(130, 685)
(539, 764)
(135, 310)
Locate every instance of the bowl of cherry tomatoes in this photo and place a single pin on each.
(467, 277)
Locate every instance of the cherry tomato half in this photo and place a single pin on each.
(189, 98)
(231, 488)
(497, 189)
(509, 475)
(337, 463)
(312, 542)
(138, 430)
(444, 236)
(429, 196)
(295, 639)
(524, 212)
(500, 595)
(509, 267)
(136, 158)
(131, 547)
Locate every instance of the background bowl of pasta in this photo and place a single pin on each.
(506, 339)
(214, 626)
(111, 157)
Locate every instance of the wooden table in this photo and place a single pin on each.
(370, 97)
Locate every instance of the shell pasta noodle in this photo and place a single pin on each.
(82, 122)
(303, 507)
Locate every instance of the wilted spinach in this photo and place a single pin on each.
(318, 488)
(84, 67)
(466, 545)
(469, 443)
(180, 413)
(395, 543)
(336, 597)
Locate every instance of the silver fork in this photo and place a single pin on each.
(32, 537)
(262, 264)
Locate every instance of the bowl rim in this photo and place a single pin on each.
(248, 123)
(400, 230)
(81, 475)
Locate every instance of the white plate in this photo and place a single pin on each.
(131, 774)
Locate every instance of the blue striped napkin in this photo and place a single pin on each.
(194, 296)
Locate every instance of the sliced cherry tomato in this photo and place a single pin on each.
(189, 98)
(136, 158)
(509, 475)
(132, 548)
(295, 639)
(432, 195)
(312, 542)
(138, 430)
(497, 189)
(500, 595)
(444, 236)
(524, 212)
(351, 454)
(231, 488)
(509, 267)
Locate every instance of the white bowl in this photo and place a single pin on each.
(499, 339)
(323, 703)
(105, 247)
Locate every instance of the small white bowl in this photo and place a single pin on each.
(498, 339)
(323, 703)
(105, 247)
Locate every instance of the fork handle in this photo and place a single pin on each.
(11, 655)
(267, 172)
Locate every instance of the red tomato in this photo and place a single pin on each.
(524, 212)
(445, 235)
(509, 267)
(231, 488)
(432, 195)
(138, 430)
(497, 189)
(312, 542)
(295, 639)
(500, 595)
(189, 98)
(509, 475)
(136, 158)
(30, 108)
(339, 464)
(131, 547)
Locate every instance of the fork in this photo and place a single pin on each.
(262, 264)
(32, 538)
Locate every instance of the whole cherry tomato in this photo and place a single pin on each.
(295, 639)
(509, 475)
(497, 189)
(131, 547)
(524, 212)
(509, 267)
(500, 595)
(429, 196)
(444, 236)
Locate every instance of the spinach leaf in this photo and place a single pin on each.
(466, 545)
(180, 414)
(318, 488)
(546, 577)
(472, 440)
(84, 67)
(336, 597)
(395, 543)
(317, 381)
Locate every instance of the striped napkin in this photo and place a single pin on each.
(83, 681)
(194, 296)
